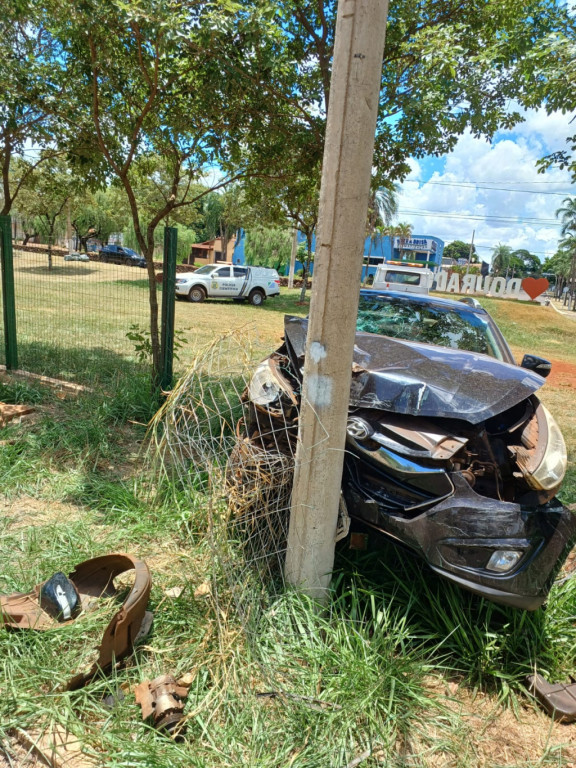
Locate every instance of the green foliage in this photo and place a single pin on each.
(268, 247)
(140, 338)
(221, 213)
(98, 214)
(525, 263)
(458, 249)
(519, 263)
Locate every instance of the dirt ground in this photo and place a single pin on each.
(562, 375)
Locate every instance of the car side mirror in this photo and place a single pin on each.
(537, 364)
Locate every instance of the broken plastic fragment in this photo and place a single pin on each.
(92, 579)
(59, 597)
(558, 699)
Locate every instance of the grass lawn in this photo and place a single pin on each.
(400, 670)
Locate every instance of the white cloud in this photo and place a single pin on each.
(494, 189)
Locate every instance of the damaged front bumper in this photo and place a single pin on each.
(506, 552)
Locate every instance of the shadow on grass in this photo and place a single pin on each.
(58, 270)
(91, 366)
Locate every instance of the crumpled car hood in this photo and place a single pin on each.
(424, 380)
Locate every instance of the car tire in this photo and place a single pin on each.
(196, 294)
(127, 262)
(256, 298)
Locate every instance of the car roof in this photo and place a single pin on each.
(424, 299)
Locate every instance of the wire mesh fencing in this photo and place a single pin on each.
(73, 315)
(234, 457)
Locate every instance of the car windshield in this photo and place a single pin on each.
(205, 270)
(428, 323)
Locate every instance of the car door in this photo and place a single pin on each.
(222, 282)
(240, 280)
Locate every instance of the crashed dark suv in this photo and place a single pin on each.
(449, 451)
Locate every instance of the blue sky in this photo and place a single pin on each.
(493, 188)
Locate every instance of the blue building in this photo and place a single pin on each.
(420, 249)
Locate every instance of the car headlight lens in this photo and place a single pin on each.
(552, 468)
(265, 386)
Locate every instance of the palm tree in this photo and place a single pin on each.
(382, 208)
(403, 232)
(501, 257)
(567, 215)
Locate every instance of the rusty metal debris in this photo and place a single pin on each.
(558, 699)
(162, 700)
(92, 579)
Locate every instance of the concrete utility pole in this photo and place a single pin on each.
(346, 170)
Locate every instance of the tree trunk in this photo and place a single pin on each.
(28, 236)
(306, 266)
(148, 254)
(50, 236)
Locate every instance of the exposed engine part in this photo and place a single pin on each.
(469, 476)
(162, 699)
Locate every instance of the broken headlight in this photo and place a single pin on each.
(551, 470)
(268, 383)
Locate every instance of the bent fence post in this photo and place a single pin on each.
(9, 303)
(168, 306)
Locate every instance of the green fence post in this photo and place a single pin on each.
(168, 305)
(9, 302)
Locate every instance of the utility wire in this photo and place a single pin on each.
(475, 185)
(475, 217)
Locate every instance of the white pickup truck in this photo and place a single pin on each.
(228, 281)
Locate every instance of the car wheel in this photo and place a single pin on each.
(196, 294)
(128, 262)
(256, 298)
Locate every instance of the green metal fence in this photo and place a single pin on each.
(70, 321)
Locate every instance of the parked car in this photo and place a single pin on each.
(228, 281)
(449, 450)
(119, 254)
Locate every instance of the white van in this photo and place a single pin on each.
(405, 278)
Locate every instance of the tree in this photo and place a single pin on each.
(525, 263)
(26, 93)
(288, 200)
(268, 247)
(501, 258)
(448, 67)
(458, 249)
(382, 208)
(403, 232)
(567, 215)
(44, 196)
(553, 81)
(180, 70)
(98, 215)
